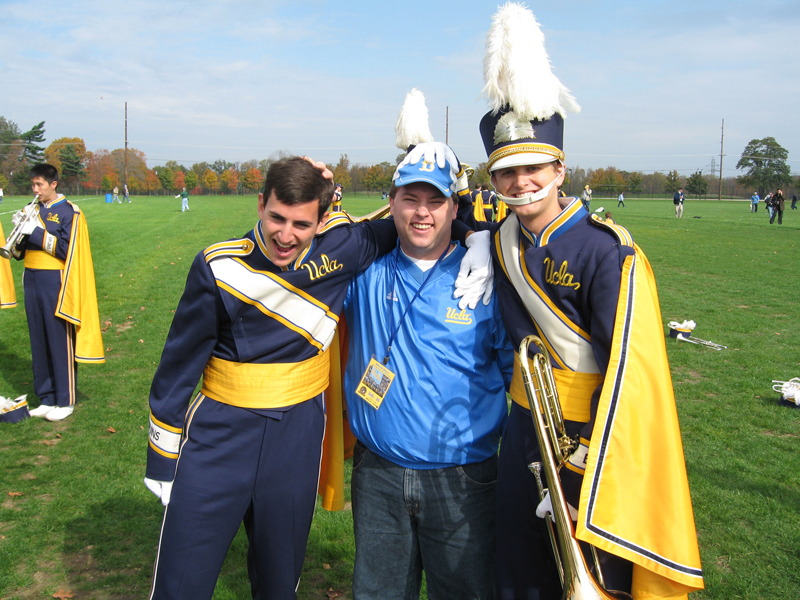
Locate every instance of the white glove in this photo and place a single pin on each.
(162, 489)
(462, 185)
(18, 217)
(546, 506)
(476, 275)
(433, 151)
(30, 226)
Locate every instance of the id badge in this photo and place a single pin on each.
(374, 385)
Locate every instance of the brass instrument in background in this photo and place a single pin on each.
(29, 211)
(556, 446)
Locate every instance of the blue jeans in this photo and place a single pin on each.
(441, 521)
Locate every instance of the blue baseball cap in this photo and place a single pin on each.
(427, 172)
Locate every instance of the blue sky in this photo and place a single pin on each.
(240, 80)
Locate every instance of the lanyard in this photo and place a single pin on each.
(392, 329)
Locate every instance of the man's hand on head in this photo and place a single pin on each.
(326, 172)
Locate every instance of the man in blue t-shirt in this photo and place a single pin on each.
(426, 394)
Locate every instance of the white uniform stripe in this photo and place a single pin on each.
(263, 290)
(573, 349)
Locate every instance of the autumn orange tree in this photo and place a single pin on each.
(608, 181)
(209, 180)
(151, 181)
(253, 179)
(341, 172)
(52, 154)
(378, 177)
(100, 171)
(137, 168)
(230, 177)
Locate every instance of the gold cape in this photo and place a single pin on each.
(8, 295)
(77, 300)
(635, 500)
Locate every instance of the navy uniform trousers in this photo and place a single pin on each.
(52, 339)
(240, 465)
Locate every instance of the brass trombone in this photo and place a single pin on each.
(556, 446)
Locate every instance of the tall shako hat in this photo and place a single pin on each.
(525, 125)
(412, 129)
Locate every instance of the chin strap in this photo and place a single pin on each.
(530, 198)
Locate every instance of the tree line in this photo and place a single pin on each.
(763, 163)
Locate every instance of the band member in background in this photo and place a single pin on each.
(336, 205)
(60, 296)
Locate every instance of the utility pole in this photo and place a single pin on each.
(721, 147)
(447, 126)
(126, 143)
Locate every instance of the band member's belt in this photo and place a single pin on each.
(39, 259)
(574, 391)
(272, 385)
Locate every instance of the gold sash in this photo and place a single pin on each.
(39, 259)
(274, 385)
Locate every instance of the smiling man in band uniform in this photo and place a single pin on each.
(256, 321)
(424, 470)
(588, 292)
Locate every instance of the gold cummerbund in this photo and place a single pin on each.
(39, 259)
(274, 385)
(574, 391)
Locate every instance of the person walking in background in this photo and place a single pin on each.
(794, 200)
(125, 195)
(754, 199)
(621, 200)
(1, 195)
(586, 197)
(778, 204)
(768, 202)
(116, 195)
(184, 196)
(677, 200)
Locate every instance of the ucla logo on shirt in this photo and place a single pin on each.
(53, 218)
(327, 267)
(560, 277)
(458, 316)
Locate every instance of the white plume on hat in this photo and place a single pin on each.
(412, 123)
(517, 69)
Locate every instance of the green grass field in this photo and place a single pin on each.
(74, 514)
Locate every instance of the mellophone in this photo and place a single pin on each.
(23, 216)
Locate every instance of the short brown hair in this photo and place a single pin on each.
(296, 181)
